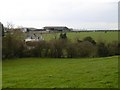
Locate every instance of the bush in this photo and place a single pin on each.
(102, 49)
(56, 48)
(39, 50)
(90, 40)
(19, 49)
(63, 36)
(86, 49)
(12, 47)
(114, 48)
(81, 49)
(71, 50)
(36, 49)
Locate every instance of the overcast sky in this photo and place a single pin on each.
(78, 14)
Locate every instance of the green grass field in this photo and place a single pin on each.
(97, 36)
(61, 73)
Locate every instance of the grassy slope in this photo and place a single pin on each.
(62, 73)
(107, 37)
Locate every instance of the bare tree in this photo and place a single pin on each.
(10, 25)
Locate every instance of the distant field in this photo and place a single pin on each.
(98, 36)
(61, 73)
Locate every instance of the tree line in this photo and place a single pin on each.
(58, 48)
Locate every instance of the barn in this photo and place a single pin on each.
(56, 28)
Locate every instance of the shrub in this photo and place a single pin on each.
(102, 49)
(86, 49)
(114, 48)
(71, 50)
(36, 49)
(63, 36)
(8, 47)
(89, 39)
(56, 48)
(19, 49)
(12, 47)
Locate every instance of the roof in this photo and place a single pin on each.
(39, 30)
(56, 27)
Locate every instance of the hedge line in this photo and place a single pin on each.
(58, 48)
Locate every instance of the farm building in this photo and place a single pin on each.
(34, 37)
(30, 29)
(33, 30)
(34, 34)
(37, 31)
(56, 28)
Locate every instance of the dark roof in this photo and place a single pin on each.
(39, 30)
(56, 27)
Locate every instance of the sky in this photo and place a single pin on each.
(76, 14)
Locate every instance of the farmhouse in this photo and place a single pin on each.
(34, 34)
(57, 28)
(38, 31)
